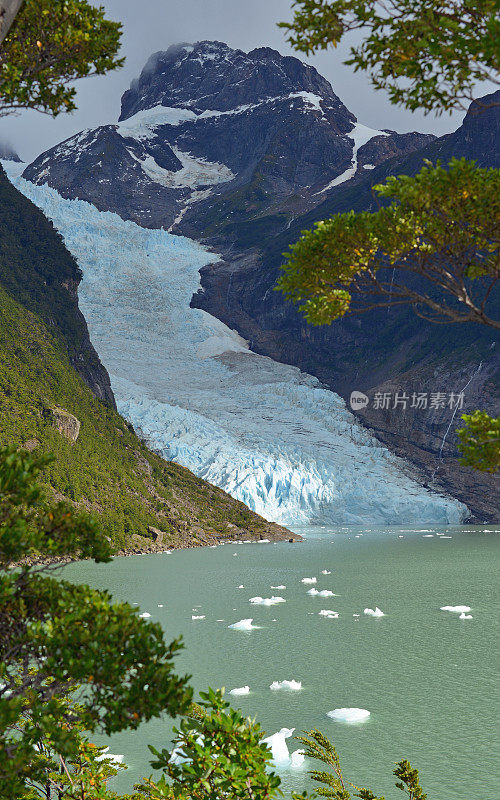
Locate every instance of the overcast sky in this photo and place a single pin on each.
(244, 24)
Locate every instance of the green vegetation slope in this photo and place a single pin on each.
(107, 470)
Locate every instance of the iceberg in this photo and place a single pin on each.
(241, 690)
(243, 625)
(327, 613)
(326, 572)
(265, 432)
(456, 609)
(267, 601)
(323, 593)
(349, 714)
(198, 616)
(278, 746)
(107, 756)
(292, 686)
(373, 612)
(463, 615)
(297, 759)
(145, 615)
(278, 587)
(309, 580)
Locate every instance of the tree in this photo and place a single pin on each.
(61, 640)
(333, 784)
(217, 754)
(435, 247)
(8, 11)
(83, 775)
(50, 44)
(480, 442)
(425, 53)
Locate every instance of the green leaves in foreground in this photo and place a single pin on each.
(58, 638)
(480, 442)
(425, 53)
(435, 247)
(217, 754)
(50, 44)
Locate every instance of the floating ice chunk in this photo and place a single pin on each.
(144, 615)
(241, 586)
(465, 616)
(292, 686)
(243, 625)
(428, 536)
(160, 605)
(297, 759)
(278, 587)
(456, 609)
(445, 537)
(198, 616)
(107, 756)
(263, 541)
(373, 612)
(309, 580)
(235, 554)
(355, 615)
(349, 714)
(324, 572)
(322, 593)
(278, 746)
(267, 601)
(325, 612)
(240, 690)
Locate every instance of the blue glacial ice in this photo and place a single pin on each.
(265, 432)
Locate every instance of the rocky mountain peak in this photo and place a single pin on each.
(209, 135)
(213, 76)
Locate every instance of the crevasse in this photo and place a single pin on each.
(265, 432)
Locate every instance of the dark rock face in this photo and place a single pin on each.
(244, 151)
(208, 135)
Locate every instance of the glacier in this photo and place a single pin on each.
(265, 432)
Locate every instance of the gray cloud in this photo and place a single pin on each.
(156, 24)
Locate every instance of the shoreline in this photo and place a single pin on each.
(138, 548)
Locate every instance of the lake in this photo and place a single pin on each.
(426, 677)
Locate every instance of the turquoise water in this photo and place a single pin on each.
(427, 677)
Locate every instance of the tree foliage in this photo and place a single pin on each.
(82, 775)
(435, 247)
(480, 442)
(55, 635)
(217, 754)
(332, 782)
(425, 53)
(50, 44)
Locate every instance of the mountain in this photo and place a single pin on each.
(55, 396)
(242, 152)
(7, 152)
(213, 135)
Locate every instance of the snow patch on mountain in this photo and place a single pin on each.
(360, 135)
(194, 172)
(267, 433)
